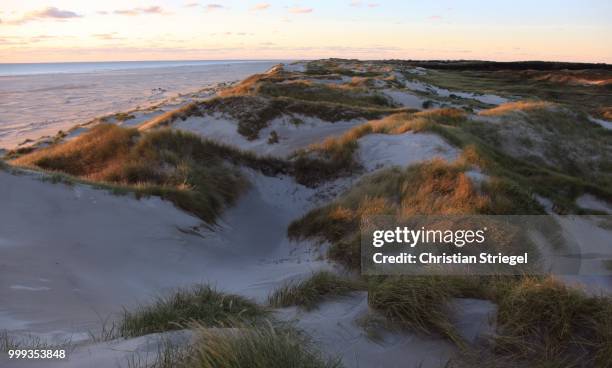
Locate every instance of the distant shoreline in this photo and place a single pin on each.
(23, 69)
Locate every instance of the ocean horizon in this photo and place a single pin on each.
(14, 69)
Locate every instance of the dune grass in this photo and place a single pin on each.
(341, 94)
(510, 107)
(167, 118)
(527, 84)
(312, 291)
(420, 304)
(577, 153)
(433, 187)
(192, 173)
(335, 156)
(544, 320)
(254, 112)
(202, 304)
(263, 347)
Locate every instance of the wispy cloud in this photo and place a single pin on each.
(435, 17)
(213, 7)
(298, 10)
(107, 36)
(46, 13)
(139, 11)
(191, 5)
(232, 34)
(261, 6)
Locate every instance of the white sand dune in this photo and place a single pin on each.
(484, 98)
(381, 150)
(83, 254)
(404, 98)
(291, 136)
(345, 339)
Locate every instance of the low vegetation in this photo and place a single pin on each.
(434, 187)
(420, 304)
(263, 347)
(192, 173)
(542, 85)
(342, 94)
(310, 292)
(543, 320)
(123, 116)
(202, 304)
(516, 106)
(335, 156)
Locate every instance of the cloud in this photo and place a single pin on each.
(213, 7)
(297, 10)
(373, 5)
(356, 3)
(191, 5)
(139, 11)
(50, 12)
(232, 34)
(435, 17)
(261, 6)
(107, 36)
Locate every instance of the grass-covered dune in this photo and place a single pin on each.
(434, 187)
(193, 173)
(228, 331)
(201, 304)
(257, 100)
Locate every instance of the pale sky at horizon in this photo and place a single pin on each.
(113, 30)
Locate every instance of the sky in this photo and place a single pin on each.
(115, 30)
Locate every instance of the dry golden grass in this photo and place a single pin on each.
(434, 187)
(516, 106)
(169, 117)
(606, 113)
(177, 166)
(245, 87)
(399, 123)
(544, 320)
(92, 155)
(441, 189)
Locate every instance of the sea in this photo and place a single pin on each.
(39, 99)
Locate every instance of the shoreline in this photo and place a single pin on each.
(36, 112)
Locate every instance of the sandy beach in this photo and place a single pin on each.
(36, 105)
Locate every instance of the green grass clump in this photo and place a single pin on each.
(123, 116)
(312, 291)
(300, 90)
(203, 304)
(418, 303)
(542, 319)
(255, 348)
